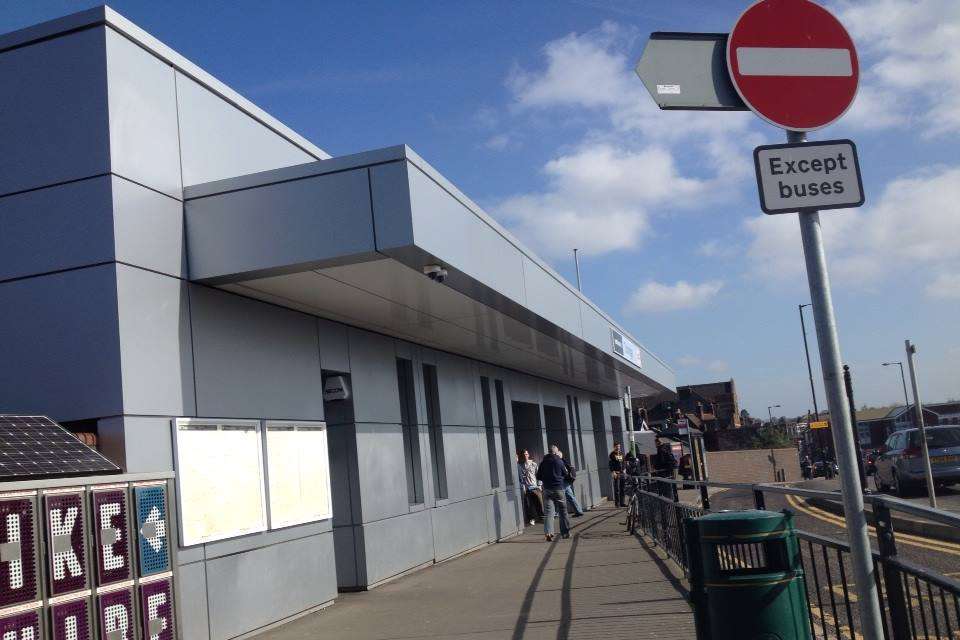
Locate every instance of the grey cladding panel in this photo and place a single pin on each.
(390, 189)
(549, 299)
(384, 557)
(149, 229)
(459, 384)
(147, 442)
(220, 141)
(250, 590)
(334, 354)
(277, 228)
(155, 343)
(143, 117)
(460, 526)
(381, 471)
(253, 359)
(441, 223)
(54, 122)
(192, 601)
(61, 345)
(56, 228)
(373, 369)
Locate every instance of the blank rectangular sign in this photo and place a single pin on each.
(298, 469)
(219, 479)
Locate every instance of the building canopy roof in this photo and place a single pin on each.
(349, 238)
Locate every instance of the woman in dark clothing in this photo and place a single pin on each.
(616, 473)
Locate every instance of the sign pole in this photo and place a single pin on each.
(860, 552)
(628, 405)
(918, 407)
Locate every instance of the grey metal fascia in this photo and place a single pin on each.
(294, 172)
(437, 177)
(104, 15)
(395, 154)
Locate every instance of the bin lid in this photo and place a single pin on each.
(742, 526)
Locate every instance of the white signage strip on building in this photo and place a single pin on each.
(812, 175)
(626, 348)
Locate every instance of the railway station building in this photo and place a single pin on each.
(338, 356)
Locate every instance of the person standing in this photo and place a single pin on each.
(568, 488)
(532, 495)
(552, 473)
(616, 473)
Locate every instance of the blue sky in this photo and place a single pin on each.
(532, 109)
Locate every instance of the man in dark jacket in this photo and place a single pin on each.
(572, 501)
(552, 473)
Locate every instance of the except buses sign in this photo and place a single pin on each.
(813, 175)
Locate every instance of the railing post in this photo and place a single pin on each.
(675, 490)
(704, 497)
(758, 500)
(892, 582)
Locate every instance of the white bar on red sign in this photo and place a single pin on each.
(794, 61)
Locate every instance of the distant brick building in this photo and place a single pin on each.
(708, 407)
(876, 425)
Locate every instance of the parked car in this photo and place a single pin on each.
(900, 465)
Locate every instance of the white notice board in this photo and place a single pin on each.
(219, 479)
(298, 469)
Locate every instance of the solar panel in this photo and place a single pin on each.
(38, 447)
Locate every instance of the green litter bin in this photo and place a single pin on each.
(746, 578)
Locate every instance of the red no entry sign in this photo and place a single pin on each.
(793, 63)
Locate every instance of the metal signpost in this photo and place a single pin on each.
(918, 407)
(794, 65)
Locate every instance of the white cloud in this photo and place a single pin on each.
(945, 286)
(498, 142)
(718, 249)
(910, 64)
(913, 224)
(696, 362)
(598, 199)
(582, 70)
(601, 193)
(656, 297)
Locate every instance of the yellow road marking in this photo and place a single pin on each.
(905, 538)
(829, 621)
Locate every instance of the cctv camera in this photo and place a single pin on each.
(435, 272)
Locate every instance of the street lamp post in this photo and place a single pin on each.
(918, 406)
(806, 350)
(903, 380)
(770, 412)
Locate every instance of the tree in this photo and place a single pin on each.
(770, 439)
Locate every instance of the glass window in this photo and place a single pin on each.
(435, 426)
(488, 427)
(937, 438)
(508, 459)
(411, 430)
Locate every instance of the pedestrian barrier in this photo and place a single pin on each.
(918, 603)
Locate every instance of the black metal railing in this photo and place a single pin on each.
(918, 603)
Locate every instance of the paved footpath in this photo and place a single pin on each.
(601, 583)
